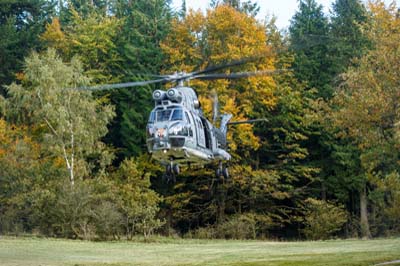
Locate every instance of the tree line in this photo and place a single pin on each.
(74, 163)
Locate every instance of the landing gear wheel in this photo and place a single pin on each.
(171, 171)
(168, 169)
(221, 172)
(168, 175)
(175, 169)
(218, 172)
(225, 172)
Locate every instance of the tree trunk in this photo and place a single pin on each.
(169, 222)
(365, 232)
(221, 204)
(71, 176)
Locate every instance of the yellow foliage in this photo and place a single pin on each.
(181, 45)
(94, 36)
(224, 35)
(54, 36)
(20, 76)
(369, 97)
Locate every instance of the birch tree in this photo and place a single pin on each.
(67, 120)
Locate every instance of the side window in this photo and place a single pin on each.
(152, 117)
(189, 122)
(187, 117)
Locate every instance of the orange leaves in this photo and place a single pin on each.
(54, 35)
(181, 45)
(224, 35)
(16, 148)
(233, 35)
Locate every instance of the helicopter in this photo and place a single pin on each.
(177, 132)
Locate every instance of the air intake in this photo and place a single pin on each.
(159, 95)
(174, 95)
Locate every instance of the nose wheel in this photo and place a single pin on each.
(222, 171)
(171, 171)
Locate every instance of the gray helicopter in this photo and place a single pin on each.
(177, 131)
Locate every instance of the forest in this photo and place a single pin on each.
(74, 163)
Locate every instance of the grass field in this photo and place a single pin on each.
(45, 252)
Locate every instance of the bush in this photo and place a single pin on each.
(72, 214)
(107, 220)
(203, 233)
(322, 219)
(385, 215)
(240, 226)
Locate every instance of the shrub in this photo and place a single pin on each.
(203, 233)
(386, 214)
(322, 219)
(239, 226)
(72, 214)
(107, 220)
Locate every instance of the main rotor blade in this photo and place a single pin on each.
(226, 65)
(251, 121)
(142, 75)
(238, 75)
(123, 85)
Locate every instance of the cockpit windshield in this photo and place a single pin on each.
(163, 115)
(169, 114)
(177, 114)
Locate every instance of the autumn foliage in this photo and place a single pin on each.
(324, 162)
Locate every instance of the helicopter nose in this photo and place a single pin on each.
(160, 140)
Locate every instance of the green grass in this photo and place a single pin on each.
(55, 252)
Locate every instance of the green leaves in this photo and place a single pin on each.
(323, 219)
(72, 120)
(21, 22)
(308, 40)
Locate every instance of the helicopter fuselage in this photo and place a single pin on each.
(178, 132)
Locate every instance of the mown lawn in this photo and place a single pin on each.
(55, 252)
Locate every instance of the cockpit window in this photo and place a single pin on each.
(152, 117)
(169, 114)
(177, 114)
(163, 115)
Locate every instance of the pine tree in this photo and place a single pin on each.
(21, 22)
(347, 40)
(341, 174)
(308, 38)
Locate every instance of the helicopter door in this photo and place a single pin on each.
(207, 132)
(201, 140)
